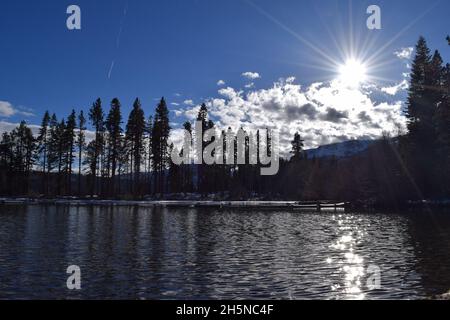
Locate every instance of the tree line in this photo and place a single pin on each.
(134, 160)
(117, 161)
(113, 155)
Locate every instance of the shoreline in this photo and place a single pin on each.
(317, 206)
(292, 205)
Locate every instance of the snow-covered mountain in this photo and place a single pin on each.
(340, 150)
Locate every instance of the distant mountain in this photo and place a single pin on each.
(340, 150)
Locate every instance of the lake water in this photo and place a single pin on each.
(142, 253)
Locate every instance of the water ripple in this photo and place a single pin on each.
(143, 253)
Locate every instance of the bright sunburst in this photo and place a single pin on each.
(353, 73)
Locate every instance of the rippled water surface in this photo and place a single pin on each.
(142, 253)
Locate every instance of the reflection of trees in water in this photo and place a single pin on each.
(131, 252)
(430, 233)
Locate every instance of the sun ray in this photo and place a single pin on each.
(291, 32)
(356, 57)
(399, 34)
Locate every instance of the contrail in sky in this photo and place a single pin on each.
(125, 12)
(119, 35)
(111, 69)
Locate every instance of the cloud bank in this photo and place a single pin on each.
(8, 110)
(323, 112)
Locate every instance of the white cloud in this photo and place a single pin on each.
(404, 53)
(220, 83)
(228, 92)
(192, 113)
(178, 112)
(188, 102)
(322, 112)
(290, 80)
(8, 110)
(251, 75)
(250, 85)
(404, 85)
(175, 104)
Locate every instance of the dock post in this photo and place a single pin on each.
(318, 207)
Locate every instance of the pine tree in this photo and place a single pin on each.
(421, 109)
(60, 144)
(53, 155)
(418, 107)
(113, 126)
(90, 163)
(69, 136)
(122, 162)
(148, 136)
(23, 156)
(160, 138)
(81, 144)
(6, 156)
(135, 135)
(203, 180)
(443, 131)
(96, 116)
(186, 168)
(43, 148)
(297, 147)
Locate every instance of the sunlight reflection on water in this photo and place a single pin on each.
(142, 253)
(351, 265)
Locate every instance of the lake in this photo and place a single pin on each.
(144, 253)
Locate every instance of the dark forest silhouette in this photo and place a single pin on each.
(133, 161)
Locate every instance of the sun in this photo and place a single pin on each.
(352, 73)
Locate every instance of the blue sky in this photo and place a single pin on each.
(181, 49)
